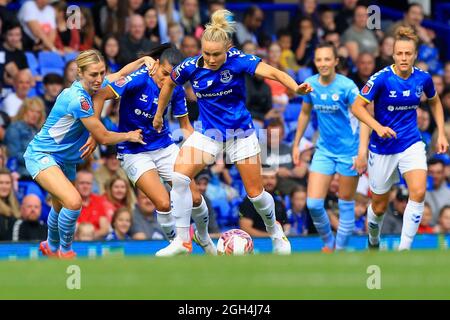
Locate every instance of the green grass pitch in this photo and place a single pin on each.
(404, 275)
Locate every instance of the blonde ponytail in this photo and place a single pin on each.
(221, 27)
(406, 34)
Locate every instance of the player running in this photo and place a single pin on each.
(52, 155)
(217, 78)
(145, 164)
(336, 149)
(396, 141)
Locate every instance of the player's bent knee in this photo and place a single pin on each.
(315, 205)
(180, 180)
(196, 199)
(379, 208)
(417, 194)
(163, 205)
(73, 203)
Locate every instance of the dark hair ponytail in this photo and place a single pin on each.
(166, 52)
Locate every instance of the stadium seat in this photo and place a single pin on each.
(33, 64)
(292, 111)
(45, 71)
(30, 187)
(50, 60)
(70, 56)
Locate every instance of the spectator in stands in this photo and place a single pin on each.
(444, 221)
(357, 38)
(279, 156)
(248, 30)
(136, 7)
(413, 18)
(287, 59)
(122, 220)
(9, 206)
(446, 103)
(117, 195)
(365, 66)
(14, 57)
(111, 118)
(166, 14)
(67, 37)
(300, 221)
(70, 73)
(87, 31)
(327, 23)
(190, 16)
(202, 180)
(134, 42)
(38, 21)
(22, 86)
(306, 43)
(279, 92)
(438, 82)
(344, 17)
(427, 219)
(145, 226)
(6, 15)
(109, 169)
(386, 52)
(29, 227)
(21, 131)
(250, 221)
(5, 120)
(423, 123)
(439, 196)
(109, 21)
(447, 74)
(361, 205)
(93, 206)
(393, 219)
(175, 34)
(151, 25)
(111, 51)
(85, 232)
(53, 85)
(190, 46)
(306, 9)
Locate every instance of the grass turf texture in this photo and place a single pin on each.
(404, 275)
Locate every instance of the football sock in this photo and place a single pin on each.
(67, 220)
(201, 218)
(411, 220)
(53, 232)
(374, 223)
(346, 223)
(167, 223)
(181, 198)
(321, 221)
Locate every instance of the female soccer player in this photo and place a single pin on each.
(145, 164)
(336, 148)
(396, 141)
(217, 78)
(52, 155)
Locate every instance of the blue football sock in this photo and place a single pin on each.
(66, 222)
(346, 223)
(321, 222)
(53, 233)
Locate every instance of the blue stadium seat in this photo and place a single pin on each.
(45, 71)
(70, 56)
(292, 111)
(50, 60)
(33, 64)
(32, 93)
(30, 187)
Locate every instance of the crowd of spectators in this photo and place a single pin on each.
(41, 39)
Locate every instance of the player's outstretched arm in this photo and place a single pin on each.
(303, 120)
(267, 71)
(132, 66)
(438, 115)
(164, 97)
(103, 136)
(360, 111)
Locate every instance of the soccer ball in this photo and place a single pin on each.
(235, 242)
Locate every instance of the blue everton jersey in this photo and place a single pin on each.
(338, 128)
(139, 102)
(395, 103)
(63, 133)
(220, 93)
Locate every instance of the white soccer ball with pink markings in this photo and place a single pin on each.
(235, 242)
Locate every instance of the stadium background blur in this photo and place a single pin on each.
(36, 63)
